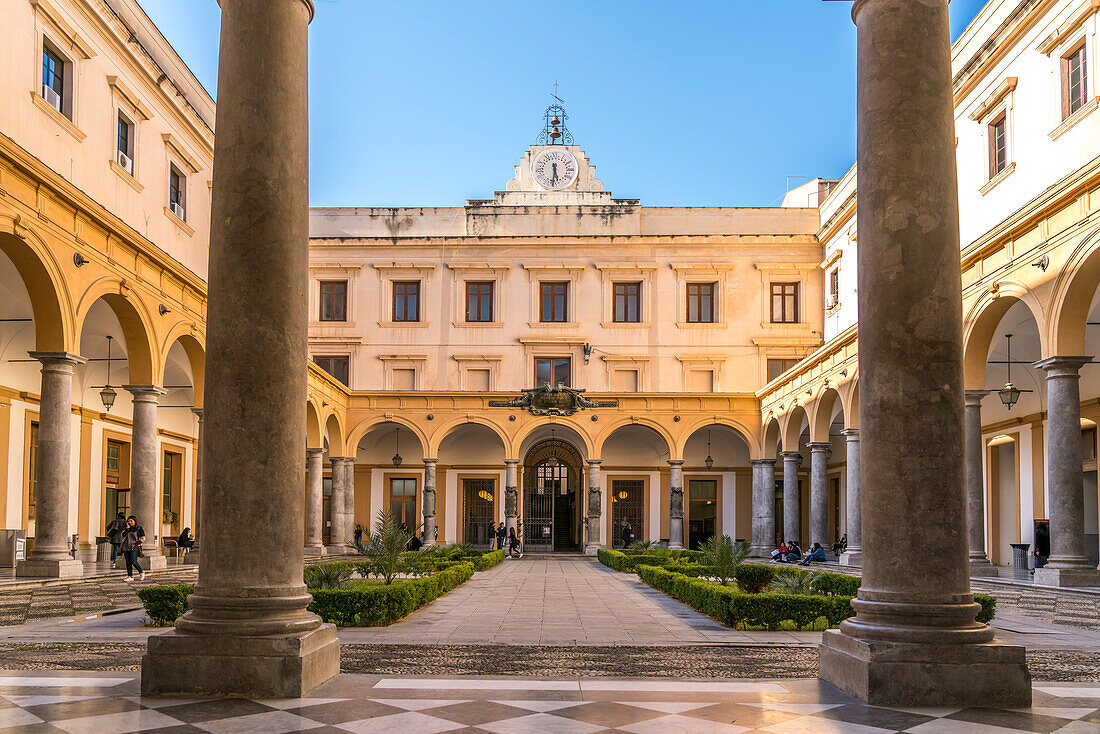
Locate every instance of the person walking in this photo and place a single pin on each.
(114, 533)
(502, 535)
(627, 535)
(132, 538)
(358, 534)
(513, 544)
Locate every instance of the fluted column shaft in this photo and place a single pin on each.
(676, 504)
(511, 493)
(763, 507)
(315, 499)
(429, 501)
(792, 499)
(595, 507)
(143, 465)
(975, 477)
(853, 555)
(337, 507)
(819, 493)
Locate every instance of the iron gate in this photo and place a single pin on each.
(478, 512)
(551, 521)
(627, 505)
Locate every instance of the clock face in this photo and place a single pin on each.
(554, 169)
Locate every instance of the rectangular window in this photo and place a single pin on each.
(834, 287)
(124, 156)
(177, 192)
(406, 300)
(784, 303)
(53, 79)
(702, 511)
(334, 300)
(627, 302)
(776, 367)
(479, 301)
(403, 502)
(32, 473)
(998, 145)
(337, 366)
(700, 305)
(552, 370)
(553, 302)
(1074, 81)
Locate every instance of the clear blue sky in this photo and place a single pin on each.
(688, 103)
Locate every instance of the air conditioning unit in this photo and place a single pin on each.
(830, 302)
(52, 97)
(125, 162)
(177, 209)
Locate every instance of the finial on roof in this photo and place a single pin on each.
(554, 131)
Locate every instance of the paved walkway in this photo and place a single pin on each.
(79, 702)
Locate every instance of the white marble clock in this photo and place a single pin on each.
(554, 169)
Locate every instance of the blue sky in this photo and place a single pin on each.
(690, 103)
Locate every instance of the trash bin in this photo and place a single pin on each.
(103, 550)
(1019, 555)
(13, 545)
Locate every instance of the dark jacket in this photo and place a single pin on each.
(628, 536)
(114, 530)
(132, 537)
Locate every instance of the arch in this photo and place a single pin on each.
(770, 443)
(527, 435)
(746, 435)
(51, 304)
(981, 323)
(313, 426)
(660, 430)
(137, 327)
(335, 434)
(183, 333)
(441, 433)
(1074, 290)
(792, 427)
(363, 427)
(822, 415)
(849, 398)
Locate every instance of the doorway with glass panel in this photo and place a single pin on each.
(403, 501)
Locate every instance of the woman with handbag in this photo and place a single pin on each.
(132, 538)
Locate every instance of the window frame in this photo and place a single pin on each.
(336, 315)
(834, 286)
(626, 298)
(1065, 63)
(698, 296)
(554, 298)
(469, 285)
(395, 296)
(332, 360)
(796, 296)
(64, 78)
(177, 192)
(787, 362)
(554, 361)
(997, 155)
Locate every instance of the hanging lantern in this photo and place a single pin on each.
(397, 446)
(1009, 394)
(108, 394)
(709, 461)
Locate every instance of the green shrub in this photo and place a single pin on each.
(490, 559)
(720, 554)
(790, 583)
(752, 578)
(825, 582)
(374, 606)
(327, 575)
(989, 607)
(165, 604)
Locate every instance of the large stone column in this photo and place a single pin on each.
(199, 451)
(511, 494)
(676, 504)
(914, 640)
(819, 493)
(792, 498)
(853, 555)
(315, 502)
(144, 464)
(1067, 564)
(50, 555)
(763, 508)
(349, 498)
(429, 501)
(248, 632)
(338, 508)
(975, 484)
(595, 507)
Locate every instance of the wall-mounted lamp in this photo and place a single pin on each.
(162, 309)
(79, 260)
(587, 349)
(1042, 263)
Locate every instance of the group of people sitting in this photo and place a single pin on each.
(790, 552)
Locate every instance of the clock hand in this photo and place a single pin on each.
(553, 173)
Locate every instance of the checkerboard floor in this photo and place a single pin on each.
(36, 702)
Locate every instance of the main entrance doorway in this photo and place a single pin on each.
(478, 512)
(552, 508)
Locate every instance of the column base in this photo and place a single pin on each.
(153, 563)
(316, 550)
(276, 666)
(852, 558)
(759, 551)
(982, 568)
(335, 550)
(592, 549)
(989, 674)
(43, 568)
(1067, 577)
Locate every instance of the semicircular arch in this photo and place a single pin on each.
(438, 436)
(791, 427)
(363, 427)
(313, 426)
(51, 303)
(746, 435)
(142, 354)
(822, 416)
(660, 430)
(980, 325)
(1071, 301)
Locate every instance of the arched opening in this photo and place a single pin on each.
(471, 476)
(635, 459)
(182, 375)
(552, 500)
(390, 460)
(717, 485)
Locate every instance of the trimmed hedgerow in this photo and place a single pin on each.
(629, 560)
(825, 582)
(165, 604)
(490, 559)
(753, 578)
(376, 606)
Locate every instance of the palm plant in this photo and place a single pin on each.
(642, 544)
(796, 583)
(384, 548)
(723, 556)
(327, 576)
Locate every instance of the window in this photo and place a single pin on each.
(784, 303)
(552, 370)
(336, 366)
(406, 300)
(53, 80)
(553, 306)
(334, 300)
(702, 511)
(700, 307)
(170, 490)
(32, 468)
(479, 301)
(998, 145)
(628, 303)
(776, 367)
(834, 287)
(125, 144)
(403, 501)
(177, 192)
(1074, 81)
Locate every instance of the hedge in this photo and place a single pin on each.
(165, 604)
(629, 561)
(379, 605)
(490, 559)
(770, 610)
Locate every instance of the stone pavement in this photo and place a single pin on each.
(80, 702)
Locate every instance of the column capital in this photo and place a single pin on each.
(597, 462)
(309, 7)
(852, 434)
(675, 462)
(1063, 365)
(819, 445)
(791, 455)
(340, 459)
(511, 461)
(198, 413)
(974, 397)
(145, 393)
(430, 461)
(310, 453)
(762, 462)
(58, 358)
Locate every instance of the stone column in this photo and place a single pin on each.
(429, 501)
(595, 507)
(248, 632)
(50, 555)
(144, 487)
(315, 502)
(763, 508)
(792, 498)
(819, 493)
(199, 450)
(1067, 565)
(914, 640)
(975, 484)
(337, 508)
(675, 504)
(511, 494)
(853, 556)
(349, 498)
